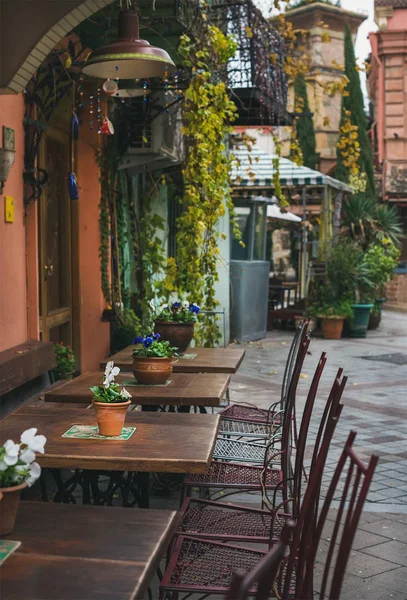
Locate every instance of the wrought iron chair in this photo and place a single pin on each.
(204, 566)
(251, 452)
(249, 412)
(228, 522)
(236, 476)
(259, 582)
(296, 578)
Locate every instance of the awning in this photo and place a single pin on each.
(275, 212)
(255, 168)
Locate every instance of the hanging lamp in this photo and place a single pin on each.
(128, 57)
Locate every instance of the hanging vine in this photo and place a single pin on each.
(208, 114)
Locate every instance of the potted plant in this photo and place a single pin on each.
(381, 259)
(110, 402)
(65, 362)
(175, 324)
(153, 359)
(333, 317)
(18, 470)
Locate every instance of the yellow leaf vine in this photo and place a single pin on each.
(208, 113)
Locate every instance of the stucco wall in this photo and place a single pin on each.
(13, 296)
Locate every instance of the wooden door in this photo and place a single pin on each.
(55, 268)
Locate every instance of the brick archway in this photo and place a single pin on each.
(30, 30)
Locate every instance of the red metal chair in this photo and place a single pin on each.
(228, 522)
(206, 567)
(232, 475)
(249, 412)
(259, 582)
(296, 578)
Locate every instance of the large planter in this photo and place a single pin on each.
(152, 371)
(178, 334)
(376, 316)
(332, 327)
(358, 324)
(9, 507)
(111, 417)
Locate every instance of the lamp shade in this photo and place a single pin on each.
(128, 57)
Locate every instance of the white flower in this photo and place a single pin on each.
(152, 305)
(34, 442)
(185, 304)
(3, 465)
(164, 307)
(125, 394)
(11, 453)
(110, 373)
(35, 472)
(27, 456)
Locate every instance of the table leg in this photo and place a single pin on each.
(143, 485)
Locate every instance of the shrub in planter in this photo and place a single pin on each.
(332, 318)
(18, 470)
(110, 402)
(153, 359)
(65, 361)
(175, 324)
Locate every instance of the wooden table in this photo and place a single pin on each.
(75, 552)
(162, 442)
(184, 389)
(208, 360)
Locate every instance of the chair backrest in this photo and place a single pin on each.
(299, 337)
(261, 578)
(300, 565)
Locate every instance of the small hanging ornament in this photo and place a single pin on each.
(166, 88)
(72, 187)
(91, 112)
(109, 87)
(145, 91)
(99, 111)
(74, 127)
(107, 127)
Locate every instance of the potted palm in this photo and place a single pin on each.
(175, 324)
(153, 359)
(111, 403)
(18, 470)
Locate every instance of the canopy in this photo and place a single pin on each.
(275, 212)
(260, 165)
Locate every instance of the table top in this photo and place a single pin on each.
(171, 442)
(207, 360)
(184, 389)
(71, 552)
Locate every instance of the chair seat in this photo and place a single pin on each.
(201, 565)
(234, 427)
(235, 476)
(240, 451)
(219, 521)
(245, 413)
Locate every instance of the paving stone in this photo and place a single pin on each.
(393, 551)
(395, 581)
(387, 528)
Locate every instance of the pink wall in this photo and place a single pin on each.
(13, 287)
(398, 20)
(95, 335)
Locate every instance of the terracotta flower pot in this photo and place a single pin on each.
(178, 334)
(332, 327)
(149, 370)
(9, 507)
(111, 417)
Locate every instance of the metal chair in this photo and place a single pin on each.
(235, 476)
(249, 412)
(203, 566)
(296, 578)
(229, 522)
(252, 452)
(259, 582)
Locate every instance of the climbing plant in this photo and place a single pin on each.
(208, 114)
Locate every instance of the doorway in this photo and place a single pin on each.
(54, 241)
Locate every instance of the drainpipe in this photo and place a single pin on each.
(374, 42)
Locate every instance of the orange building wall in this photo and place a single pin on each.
(13, 288)
(95, 335)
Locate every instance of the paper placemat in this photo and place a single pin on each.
(133, 382)
(188, 356)
(7, 547)
(91, 432)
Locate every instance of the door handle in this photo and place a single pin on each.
(48, 271)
